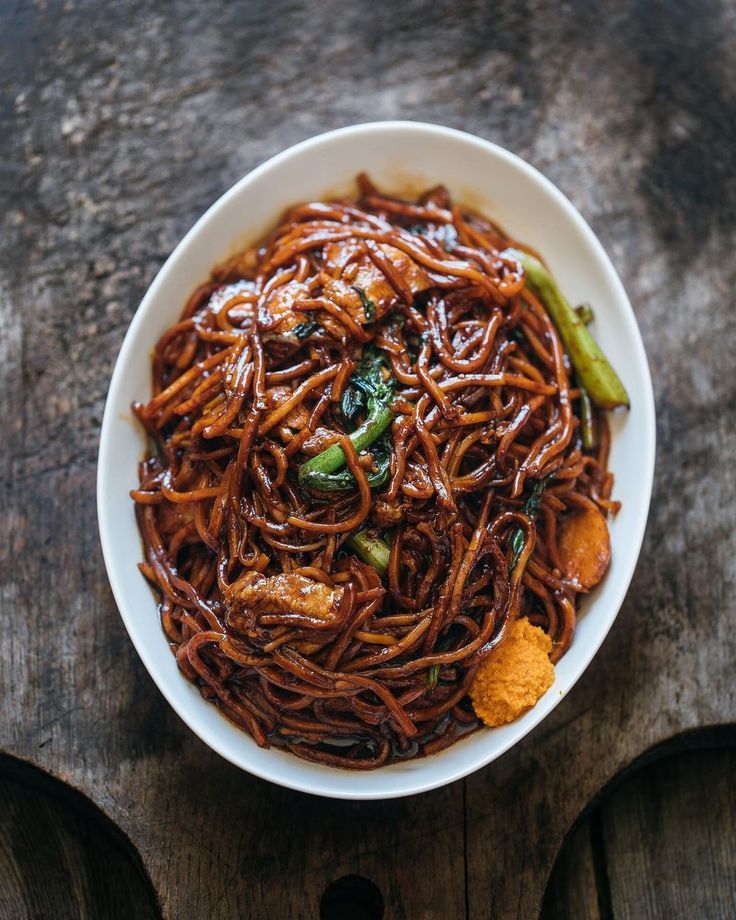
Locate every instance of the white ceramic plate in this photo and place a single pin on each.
(400, 157)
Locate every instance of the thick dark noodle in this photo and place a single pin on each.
(247, 387)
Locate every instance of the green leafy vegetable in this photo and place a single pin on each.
(367, 389)
(304, 330)
(444, 645)
(369, 307)
(517, 335)
(591, 365)
(344, 480)
(369, 379)
(531, 506)
(353, 400)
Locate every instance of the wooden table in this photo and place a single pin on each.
(119, 125)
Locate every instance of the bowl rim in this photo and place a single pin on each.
(413, 784)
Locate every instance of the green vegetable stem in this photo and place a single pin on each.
(587, 421)
(371, 549)
(367, 389)
(594, 371)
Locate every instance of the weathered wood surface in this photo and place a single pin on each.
(662, 844)
(57, 862)
(119, 124)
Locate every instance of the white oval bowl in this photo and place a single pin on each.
(401, 157)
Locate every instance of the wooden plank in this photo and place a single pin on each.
(670, 839)
(661, 844)
(56, 863)
(572, 890)
(119, 124)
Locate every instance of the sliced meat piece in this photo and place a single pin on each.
(277, 396)
(278, 314)
(362, 273)
(240, 314)
(584, 545)
(438, 197)
(319, 441)
(376, 289)
(254, 595)
(336, 256)
(414, 275)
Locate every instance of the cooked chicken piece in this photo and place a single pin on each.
(415, 276)
(363, 274)
(319, 441)
(278, 314)
(254, 595)
(297, 418)
(336, 256)
(438, 197)
(240, 313)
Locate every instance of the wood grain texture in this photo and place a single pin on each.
(661, 845)
(57, 863)
(670, 840)
(119, 125)
(573, 889)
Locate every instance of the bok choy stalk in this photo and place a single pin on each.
(344, 480)
(587, 420)
(595, 373)
(370, 388)
(371, 549)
